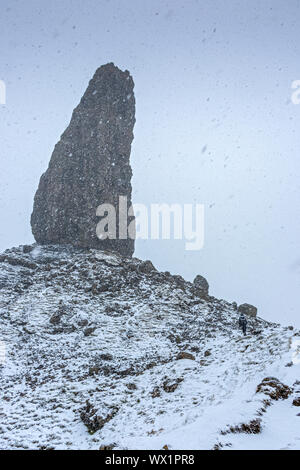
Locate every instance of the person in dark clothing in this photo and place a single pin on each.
(243, 323)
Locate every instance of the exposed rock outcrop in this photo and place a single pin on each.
(89, 166)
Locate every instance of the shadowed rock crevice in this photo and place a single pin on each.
(89, 166)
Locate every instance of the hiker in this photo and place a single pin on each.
(243, 323)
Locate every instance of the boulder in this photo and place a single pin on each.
(89, 331)
(185, 355)
(55, 319)
(201, 284)
(146, 267)
(248, 309)
(27, 249)
(170, 386)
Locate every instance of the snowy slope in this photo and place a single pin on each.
(92, 343)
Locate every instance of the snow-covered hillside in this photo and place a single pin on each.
(106, 351)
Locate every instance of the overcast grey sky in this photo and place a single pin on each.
(215, 125)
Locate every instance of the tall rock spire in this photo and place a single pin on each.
(89, 166)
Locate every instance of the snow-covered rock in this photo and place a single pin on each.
(92, 341)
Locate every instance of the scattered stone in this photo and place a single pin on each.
(275, 389)
(94, 371)
(131, 386)
(207, 353)
(17, 262)
(129, 334)
(170, 386)
(55, 319)
(107, 447)
(185, 355)
(92, 420)
(155, 392)
(146, 267)
(89, 331)
(27, 248)
(296, 401)
(111, 259)
(218, 446)
(106, 357)
(179, 282)
(253, 427)
(29, 332)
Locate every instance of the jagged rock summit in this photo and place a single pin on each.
(89, 166)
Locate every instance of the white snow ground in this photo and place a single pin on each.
(127, 366)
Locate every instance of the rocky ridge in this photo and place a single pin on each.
(104, 350)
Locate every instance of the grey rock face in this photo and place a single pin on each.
(248, 309)
(89, 166)
(201, 284)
